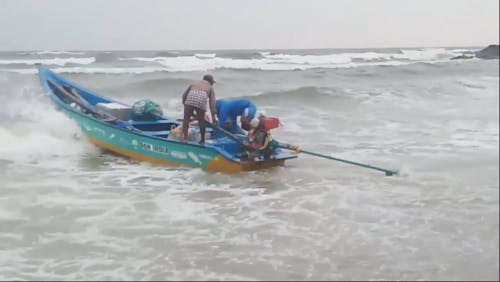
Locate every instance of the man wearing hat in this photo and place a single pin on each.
(195, 100)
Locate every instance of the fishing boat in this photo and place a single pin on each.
(107, 124)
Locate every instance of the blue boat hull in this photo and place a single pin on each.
(126, 138)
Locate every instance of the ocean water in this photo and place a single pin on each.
(69, 211)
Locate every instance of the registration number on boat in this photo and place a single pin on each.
(153, 148)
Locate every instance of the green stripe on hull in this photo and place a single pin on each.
(187, 154)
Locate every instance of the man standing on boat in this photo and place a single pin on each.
(229, 110)
(195, 100)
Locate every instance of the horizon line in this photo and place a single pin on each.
(256, 49)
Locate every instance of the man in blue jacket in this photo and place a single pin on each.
(229, 110)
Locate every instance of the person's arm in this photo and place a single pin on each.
(211, 100)
(184, 96)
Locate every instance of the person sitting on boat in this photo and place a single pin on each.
(195, 100)
(228, 112)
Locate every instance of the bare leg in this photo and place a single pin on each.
(200, 116)
(188, 112)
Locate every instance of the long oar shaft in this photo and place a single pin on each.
(227, 133)
(388, 172)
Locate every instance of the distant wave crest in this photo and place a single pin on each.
(113, 63)
(283, 61)
(48, 52)
(49, 61)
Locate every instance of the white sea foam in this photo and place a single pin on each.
(35, 131)
(71, 214)
(268, 61)
(271, 61)
(205, 55)
(50, 61)
(55, 52)
(92, 70)
(34, 142)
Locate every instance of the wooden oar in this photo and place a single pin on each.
(77, 99)
(229, 134)
(388, 172)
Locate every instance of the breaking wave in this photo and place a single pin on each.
(264, 60)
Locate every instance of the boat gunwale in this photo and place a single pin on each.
(45, 76)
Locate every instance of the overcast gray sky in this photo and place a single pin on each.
(245, 24)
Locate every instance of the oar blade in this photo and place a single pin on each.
(390, 173)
